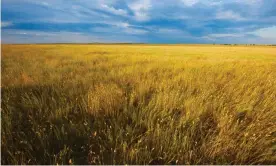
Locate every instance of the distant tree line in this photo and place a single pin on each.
(246, 44)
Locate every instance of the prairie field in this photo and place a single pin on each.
(138, 104)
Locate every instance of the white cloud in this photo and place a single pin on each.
(262, 36)
(215, 3)
(169, 30)
(122, 24)
(121, 28)
(45, 4)
(135, 31)
(140, 9)
(229, 15)
(189, 2)
(269, 33)
(224, 35)
(130, 29)
(175, 34)
(249, 2)
(113, 10)
(19, 36)
(6, 24)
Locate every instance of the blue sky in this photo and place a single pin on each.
(147, 21)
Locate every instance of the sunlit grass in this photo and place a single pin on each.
(138, 104)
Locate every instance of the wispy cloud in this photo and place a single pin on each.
(113, 10)
(225, 35)
(122, 28)
(6, 24)
(169, 31)
(61, 37)
(140, 9)
(190, 2)
(229, 15)
(269, 32)
(249, 2)
(122, 24)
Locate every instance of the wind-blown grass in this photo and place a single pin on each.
(138, 104)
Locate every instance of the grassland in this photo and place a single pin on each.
(138, 104)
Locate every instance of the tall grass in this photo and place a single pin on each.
(133, 104)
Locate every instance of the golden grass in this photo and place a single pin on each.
(138, 104)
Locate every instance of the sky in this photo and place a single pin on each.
(139, 21)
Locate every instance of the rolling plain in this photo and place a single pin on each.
(138, 104)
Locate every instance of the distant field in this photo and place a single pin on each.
(138, 104)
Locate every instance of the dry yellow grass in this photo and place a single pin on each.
(138, 104)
